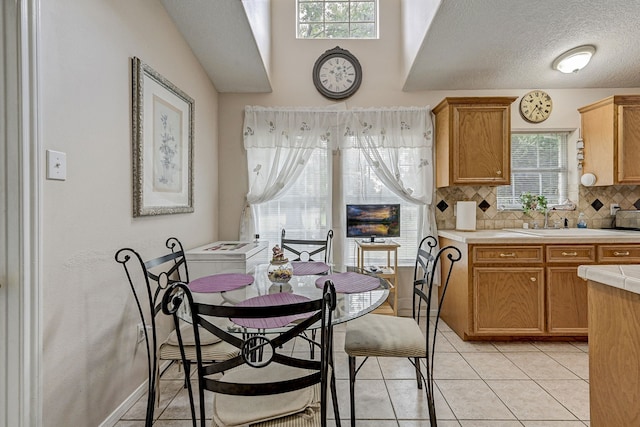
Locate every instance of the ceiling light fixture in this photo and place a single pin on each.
(574, 60)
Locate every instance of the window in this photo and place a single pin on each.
(331, 19)
(538, 166)
(304, 211)
(361, 185)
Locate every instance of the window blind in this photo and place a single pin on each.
(538, 166)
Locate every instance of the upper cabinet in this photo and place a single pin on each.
(611, 133)
(473, 141)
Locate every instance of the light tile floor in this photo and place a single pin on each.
(487, 384)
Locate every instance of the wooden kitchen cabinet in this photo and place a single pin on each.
(566, 302)
(499, 291)
(508, 301)
(611, 133)
(566, 293)
(473, 141)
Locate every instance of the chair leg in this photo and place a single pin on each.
(418, 376)
(187, 373)
(352, 387)
(334, 399)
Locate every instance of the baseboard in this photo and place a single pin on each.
(122, 409)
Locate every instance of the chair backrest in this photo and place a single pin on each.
(259, 348)
(306, 249)
(433, 267)
(148, 281)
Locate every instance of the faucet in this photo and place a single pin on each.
(546, 218)
(566, 222)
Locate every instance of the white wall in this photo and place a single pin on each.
(91, 363)
(383, 78)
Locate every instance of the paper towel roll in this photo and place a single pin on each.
(466, 216)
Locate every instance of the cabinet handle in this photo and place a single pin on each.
(569, 253)
(509, 255)
(499, 172)
(533, 279)
(625, 253)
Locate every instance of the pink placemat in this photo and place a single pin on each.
(220, 282)
(350, 282)
(268, 301)
(301, 268)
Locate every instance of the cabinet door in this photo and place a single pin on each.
(566, 301)
(481, 145)
(629, 144)
(508, 301)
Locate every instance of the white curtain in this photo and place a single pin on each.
(398, 145)
(396, 142)
(279, 141)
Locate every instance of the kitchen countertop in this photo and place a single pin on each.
(625, 277)
(542, 236)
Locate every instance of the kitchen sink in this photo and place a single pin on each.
(565, 232)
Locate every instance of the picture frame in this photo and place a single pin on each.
(163, 122)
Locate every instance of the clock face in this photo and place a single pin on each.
(536, 106)
(337, 74)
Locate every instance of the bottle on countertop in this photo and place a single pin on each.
(582, 222)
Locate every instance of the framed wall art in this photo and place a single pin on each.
(162, 144)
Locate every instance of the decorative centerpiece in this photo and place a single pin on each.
(280, 269)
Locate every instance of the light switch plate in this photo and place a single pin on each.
(56, 165)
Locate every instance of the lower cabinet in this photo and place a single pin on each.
(566, 302)
(508, 301)
(501, 291)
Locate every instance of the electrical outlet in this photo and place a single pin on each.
(140, 330)
(613, 208)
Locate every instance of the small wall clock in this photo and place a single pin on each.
(536, 106)
(337, 73)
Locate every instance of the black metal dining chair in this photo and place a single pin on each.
(307, 249)
(149, 281)
(375, 335)
(278, 388)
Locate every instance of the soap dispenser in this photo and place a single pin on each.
(582, 223)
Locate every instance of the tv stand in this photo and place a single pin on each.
(389, 271)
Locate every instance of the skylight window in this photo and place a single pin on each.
(333, 19)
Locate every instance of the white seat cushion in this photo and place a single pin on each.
(186, 331)
(377, 335)
(235, 411)
(212, 347)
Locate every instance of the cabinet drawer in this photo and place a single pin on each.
(507, 254)
(571, 254)
(619, 254)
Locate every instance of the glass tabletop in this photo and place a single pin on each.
(349, 305)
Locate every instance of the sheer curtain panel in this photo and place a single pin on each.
(279, 143)
(397, 144)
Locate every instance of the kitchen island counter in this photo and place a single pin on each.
(614, 343)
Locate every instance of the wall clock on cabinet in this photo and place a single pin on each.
(337, 73)
(536, 106)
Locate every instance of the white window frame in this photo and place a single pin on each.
(324, 22)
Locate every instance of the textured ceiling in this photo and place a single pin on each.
(492, 44)
(470, 44)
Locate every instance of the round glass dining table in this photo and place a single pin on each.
(357, 294)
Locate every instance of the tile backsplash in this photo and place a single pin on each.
(594, 202)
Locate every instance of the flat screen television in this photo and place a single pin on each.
(379, 220)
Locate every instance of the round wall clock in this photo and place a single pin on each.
(337, 73)
(535, 106)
